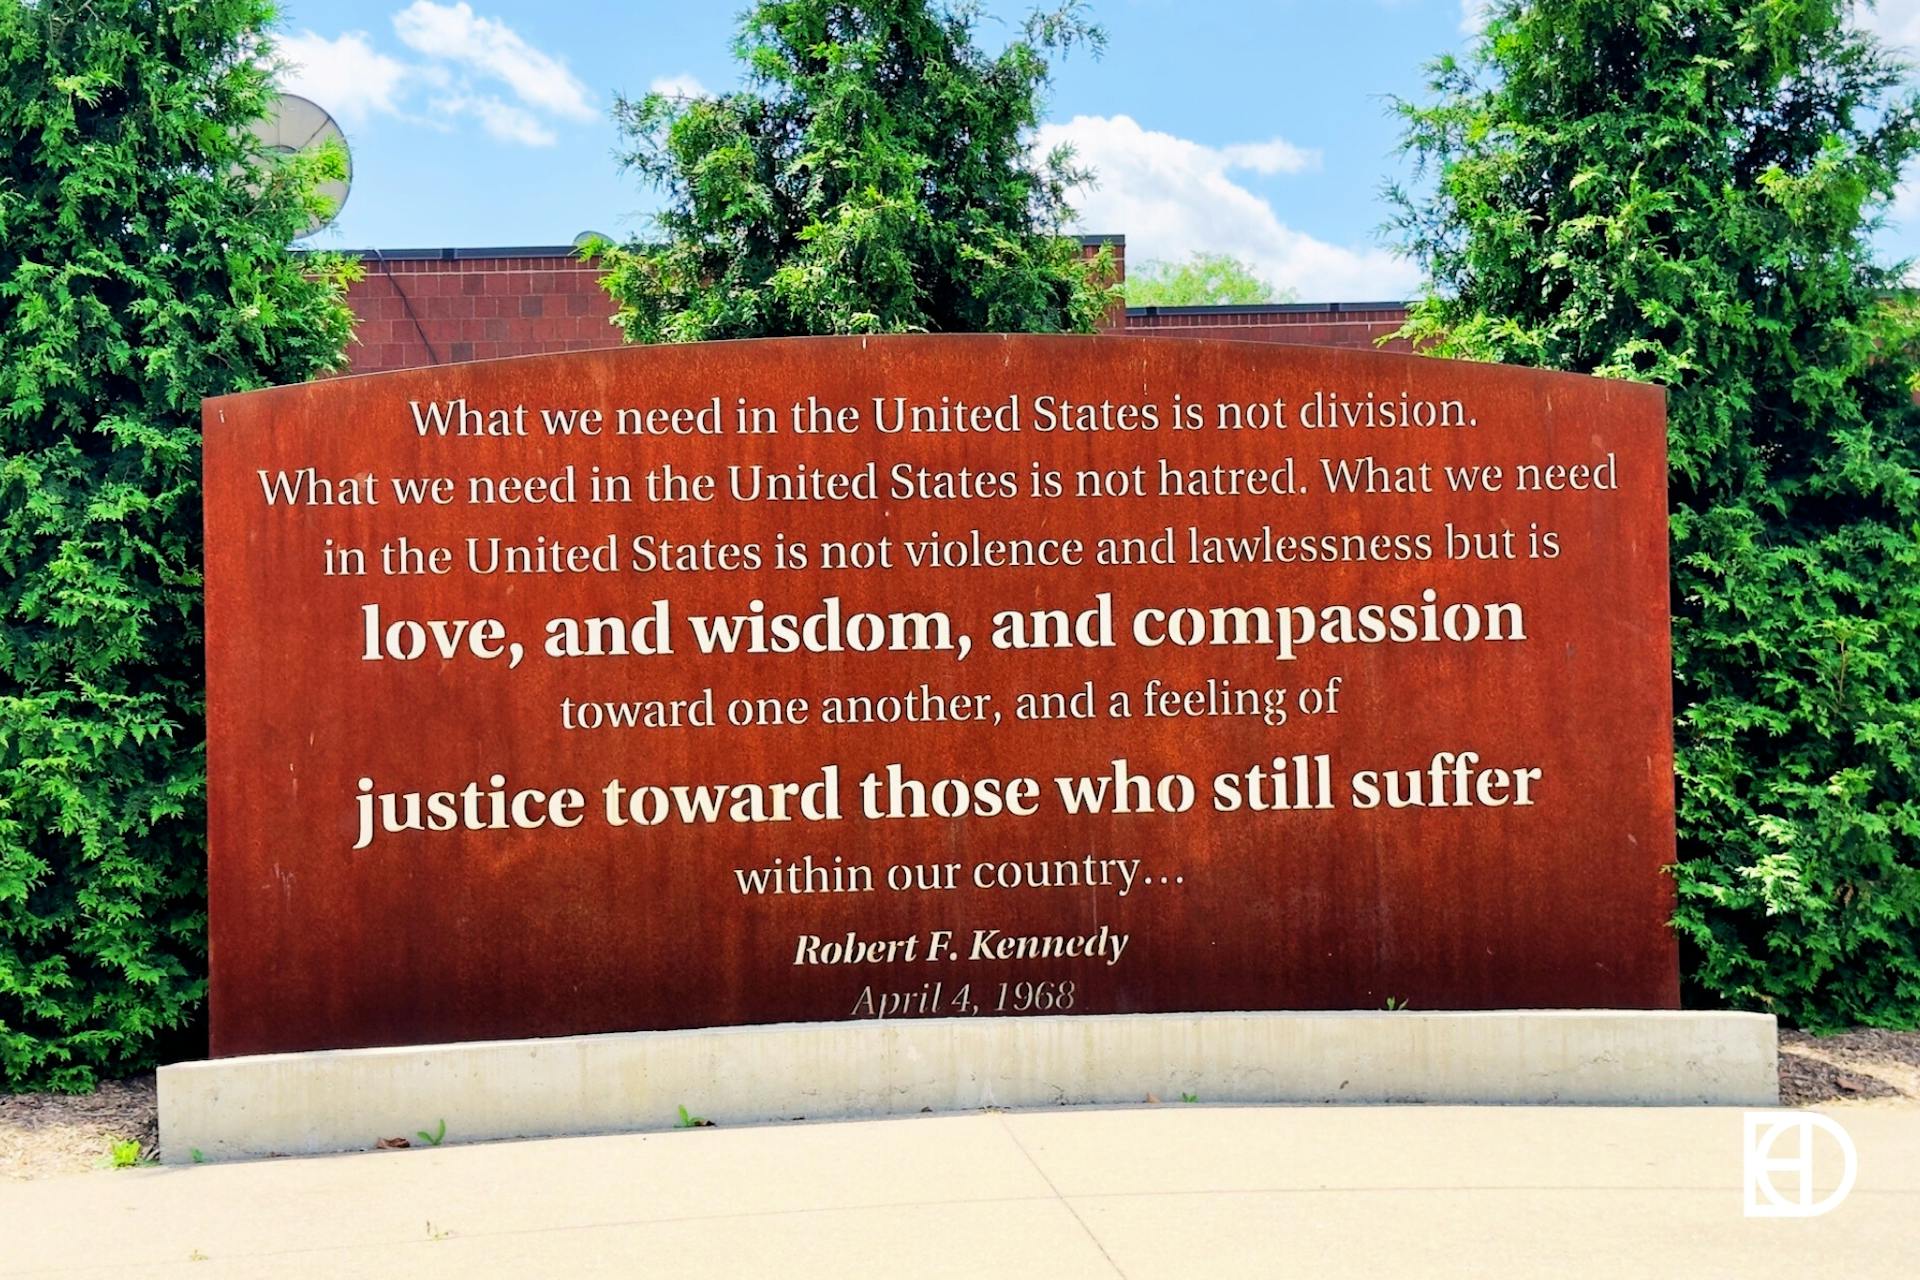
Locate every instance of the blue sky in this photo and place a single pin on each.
(1259, 128)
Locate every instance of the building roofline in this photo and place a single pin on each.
(555, 251)
(458, 255)
(1269, 309)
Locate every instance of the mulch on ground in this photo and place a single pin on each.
(1865, 1064)
(42, 1134)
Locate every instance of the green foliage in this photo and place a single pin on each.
(875, 178)
(143, 264)
(1199, 280)
(1681, 191)
(126, 1154)
(436, 1137)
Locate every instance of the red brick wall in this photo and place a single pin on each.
(446, 306)
(1116, 247)
(1335, 324)
(451, 305)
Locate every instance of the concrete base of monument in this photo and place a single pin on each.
(348, 1100)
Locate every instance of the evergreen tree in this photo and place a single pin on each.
(144, 263)
(1683, 191)
(876, 176)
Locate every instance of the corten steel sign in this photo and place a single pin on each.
(932, 676)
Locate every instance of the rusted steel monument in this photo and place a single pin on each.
(828, 679)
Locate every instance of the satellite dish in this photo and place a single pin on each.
(295, 125)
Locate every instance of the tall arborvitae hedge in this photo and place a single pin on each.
(144, 263)
(876, 176)
(1683, 191)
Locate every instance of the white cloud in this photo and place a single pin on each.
(1895, 21)
(1172, 196)
(680, 86)
(1473, 16)
(500, 119)
(456, 34)
(460, 56)
(347, 76)
(1276, 155)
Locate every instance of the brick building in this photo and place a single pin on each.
(446, 306)
(1316, 324)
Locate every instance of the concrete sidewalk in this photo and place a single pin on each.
(1172, 1191)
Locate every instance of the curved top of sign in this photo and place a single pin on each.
(925, 676)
